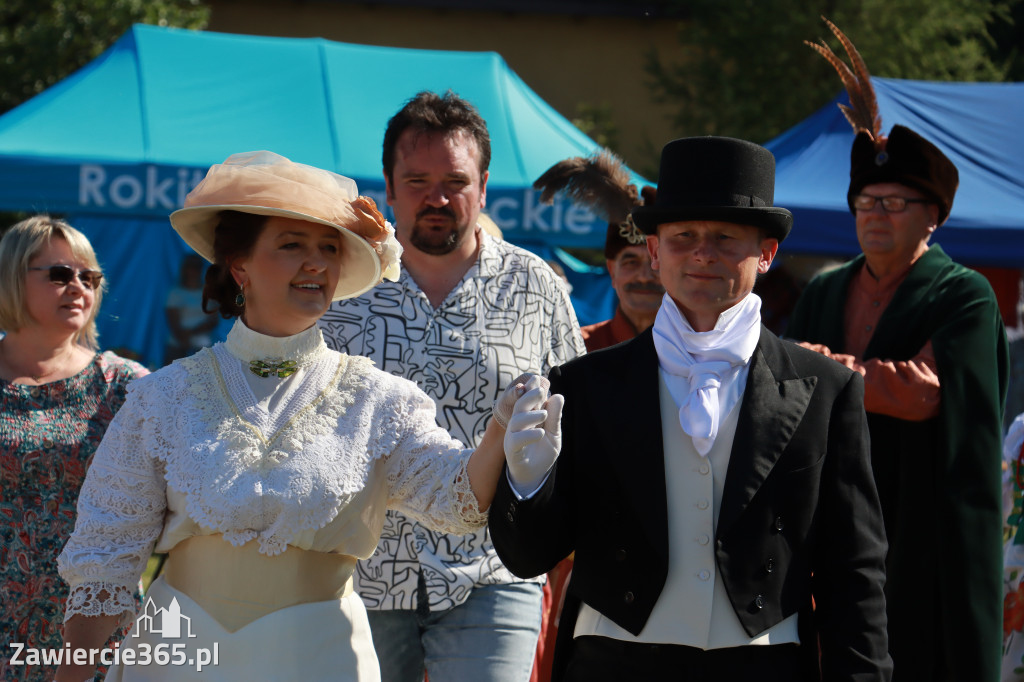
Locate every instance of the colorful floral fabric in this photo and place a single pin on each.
(1013, 555)
(48, 435)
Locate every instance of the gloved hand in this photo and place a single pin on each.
(533, 438)
(502, 410)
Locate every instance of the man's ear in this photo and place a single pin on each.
(389, 192)
(652, 250)
(483, 189)
(769, 247)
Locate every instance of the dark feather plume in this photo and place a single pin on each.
(863, 110)
(600, 182)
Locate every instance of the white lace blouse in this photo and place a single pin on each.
(205, 446)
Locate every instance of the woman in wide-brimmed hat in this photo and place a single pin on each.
(263, 465)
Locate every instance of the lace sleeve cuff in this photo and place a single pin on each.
(465, 503)
(101, 599)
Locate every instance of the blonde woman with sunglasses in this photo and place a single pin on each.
(57, 396)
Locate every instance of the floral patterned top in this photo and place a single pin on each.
(48, 435)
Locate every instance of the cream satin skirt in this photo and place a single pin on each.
(317, 640)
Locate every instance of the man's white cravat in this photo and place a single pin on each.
(699, 363)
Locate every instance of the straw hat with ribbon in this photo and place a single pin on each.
(268, 184)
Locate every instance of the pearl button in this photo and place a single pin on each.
(704, 469)
(703, 504)
(704, 575)
(703, 539)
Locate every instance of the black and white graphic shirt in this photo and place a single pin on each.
(510, 314)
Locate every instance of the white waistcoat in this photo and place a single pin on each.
(693, 608)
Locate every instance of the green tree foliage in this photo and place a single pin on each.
(745, 71)
(43, 41)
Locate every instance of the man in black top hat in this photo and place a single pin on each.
(712, 479)
(928, 337)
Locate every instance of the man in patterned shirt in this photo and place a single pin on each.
(468, 315)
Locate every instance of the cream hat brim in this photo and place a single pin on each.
(360, 266)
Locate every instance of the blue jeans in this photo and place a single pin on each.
(491, 637)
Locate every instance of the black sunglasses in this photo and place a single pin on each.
(63, 274)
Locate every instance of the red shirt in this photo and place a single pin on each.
(609, 332)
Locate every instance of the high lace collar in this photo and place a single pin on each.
(248, 345)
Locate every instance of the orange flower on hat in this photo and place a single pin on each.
(382, 238)
(1013, 611)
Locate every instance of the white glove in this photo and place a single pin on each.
(502, 410)
(533, 438)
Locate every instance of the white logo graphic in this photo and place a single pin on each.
(164, 622)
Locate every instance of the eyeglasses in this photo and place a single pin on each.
(63, 274)
(893, 204)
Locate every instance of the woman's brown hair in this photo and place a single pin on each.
(234, 237)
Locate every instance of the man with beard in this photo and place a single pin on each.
(467, 315)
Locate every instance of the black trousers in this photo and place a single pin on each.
(601, 659)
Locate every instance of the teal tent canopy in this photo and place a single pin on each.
(134, 130)
(118, 145)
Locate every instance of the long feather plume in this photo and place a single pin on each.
(600, 182)
(863, 110)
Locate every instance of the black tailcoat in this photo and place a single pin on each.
(799, 516)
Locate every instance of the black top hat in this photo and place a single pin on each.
(716, 178)
(907, 159)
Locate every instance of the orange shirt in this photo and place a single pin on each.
(906, 389)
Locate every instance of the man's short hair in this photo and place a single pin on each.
(429, 112)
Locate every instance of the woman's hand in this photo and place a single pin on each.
(89, 633)
(503, 406)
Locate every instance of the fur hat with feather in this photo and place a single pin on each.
(601, 183)
(903, 156)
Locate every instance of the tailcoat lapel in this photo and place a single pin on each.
(773, 406)
(634, 438)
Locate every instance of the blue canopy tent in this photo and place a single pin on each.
(118, 145)
(978, 125)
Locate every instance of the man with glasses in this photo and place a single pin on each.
(928, 337)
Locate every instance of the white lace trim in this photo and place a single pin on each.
(87, 600)
(304, 348)
(242, 456)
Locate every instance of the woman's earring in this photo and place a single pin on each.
(240, 298)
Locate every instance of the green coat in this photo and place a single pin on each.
(939, 479)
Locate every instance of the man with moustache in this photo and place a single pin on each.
(601, 183)
(467, 315)
(637, 290)
(713, 480)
